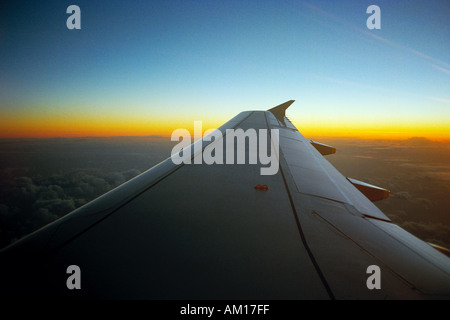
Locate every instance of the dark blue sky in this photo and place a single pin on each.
(211, 59)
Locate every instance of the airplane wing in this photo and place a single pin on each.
(222, 231)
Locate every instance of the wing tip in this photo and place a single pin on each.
(280, 110)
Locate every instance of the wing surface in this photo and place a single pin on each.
(206, 231)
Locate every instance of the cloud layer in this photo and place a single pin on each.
(42, 180)
(417, 172)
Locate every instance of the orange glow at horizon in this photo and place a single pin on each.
(376, 130)
(83, 126)
(46, 126)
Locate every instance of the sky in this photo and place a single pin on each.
(150, 67)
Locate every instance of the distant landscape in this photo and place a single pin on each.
(416, 171)
(44, 179)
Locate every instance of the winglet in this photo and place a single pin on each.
(280, 111)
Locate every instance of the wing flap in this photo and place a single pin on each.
(324, 149)
(373, 193)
